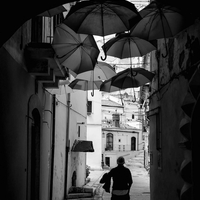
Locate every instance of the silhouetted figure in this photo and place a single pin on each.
(122, 181)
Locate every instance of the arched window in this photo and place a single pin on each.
(109, 141)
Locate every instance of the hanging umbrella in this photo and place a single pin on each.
(85, 85)
(78, 52)
(129, 78)
(107, 86)
(53, 11)
(102, 71)
(124, 46)
(102, 17)
(159, 20)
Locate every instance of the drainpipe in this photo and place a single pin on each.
(67, 145)
(53, 147)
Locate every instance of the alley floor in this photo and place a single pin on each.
(140, 188)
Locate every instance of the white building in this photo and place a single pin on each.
(120, 142)
(70, 132)
(94, 129)
(118, 138)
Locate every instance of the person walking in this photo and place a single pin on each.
(122, 181)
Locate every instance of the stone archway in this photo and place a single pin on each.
(33, 147)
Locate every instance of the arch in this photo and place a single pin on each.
(33, 147)
(35, 155)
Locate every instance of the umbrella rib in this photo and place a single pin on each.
(137, 45)
(154, 17)
(71, 34)
(122, 49)
(69, 53)
(116, 13)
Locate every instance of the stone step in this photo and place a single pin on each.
(84, 189)
(81, 192)
(79, 195)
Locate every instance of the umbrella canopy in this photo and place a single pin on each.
(78, 52)
(102, 71)
(159, 20)
(129, 78)
(101, 17)
(53, 11)
(85, 85)
(107, 86)
(124, 46)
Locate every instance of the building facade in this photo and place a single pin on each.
(94, 128)
(173, 116)
(118, 138)
(38, 128)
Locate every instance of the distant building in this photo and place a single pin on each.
(94, 129)
(118, 138)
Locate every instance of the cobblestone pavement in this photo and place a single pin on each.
(140, 188)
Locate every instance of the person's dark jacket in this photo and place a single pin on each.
(106, 180)
(122, 178)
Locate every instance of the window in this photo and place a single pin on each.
(36, 29)
(89, 106)
(109, 141)
(42, 28)
(79, 131)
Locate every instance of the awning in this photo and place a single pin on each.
(82, 146)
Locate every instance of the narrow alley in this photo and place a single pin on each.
(140, 188)
(84, 82)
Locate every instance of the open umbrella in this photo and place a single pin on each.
(107, 86)
(124, 46)
(159, 20)
(102, 17)
(129, 78)
(78, 52)
(85, 85)
(101, 71)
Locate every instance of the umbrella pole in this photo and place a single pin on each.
(102, 23)
(103, 50)
(92, 93)
(130, 52)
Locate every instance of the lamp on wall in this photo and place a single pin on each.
(80, 122)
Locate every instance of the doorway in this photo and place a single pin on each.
(133, 143)
(35, 155)
(107, 161)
